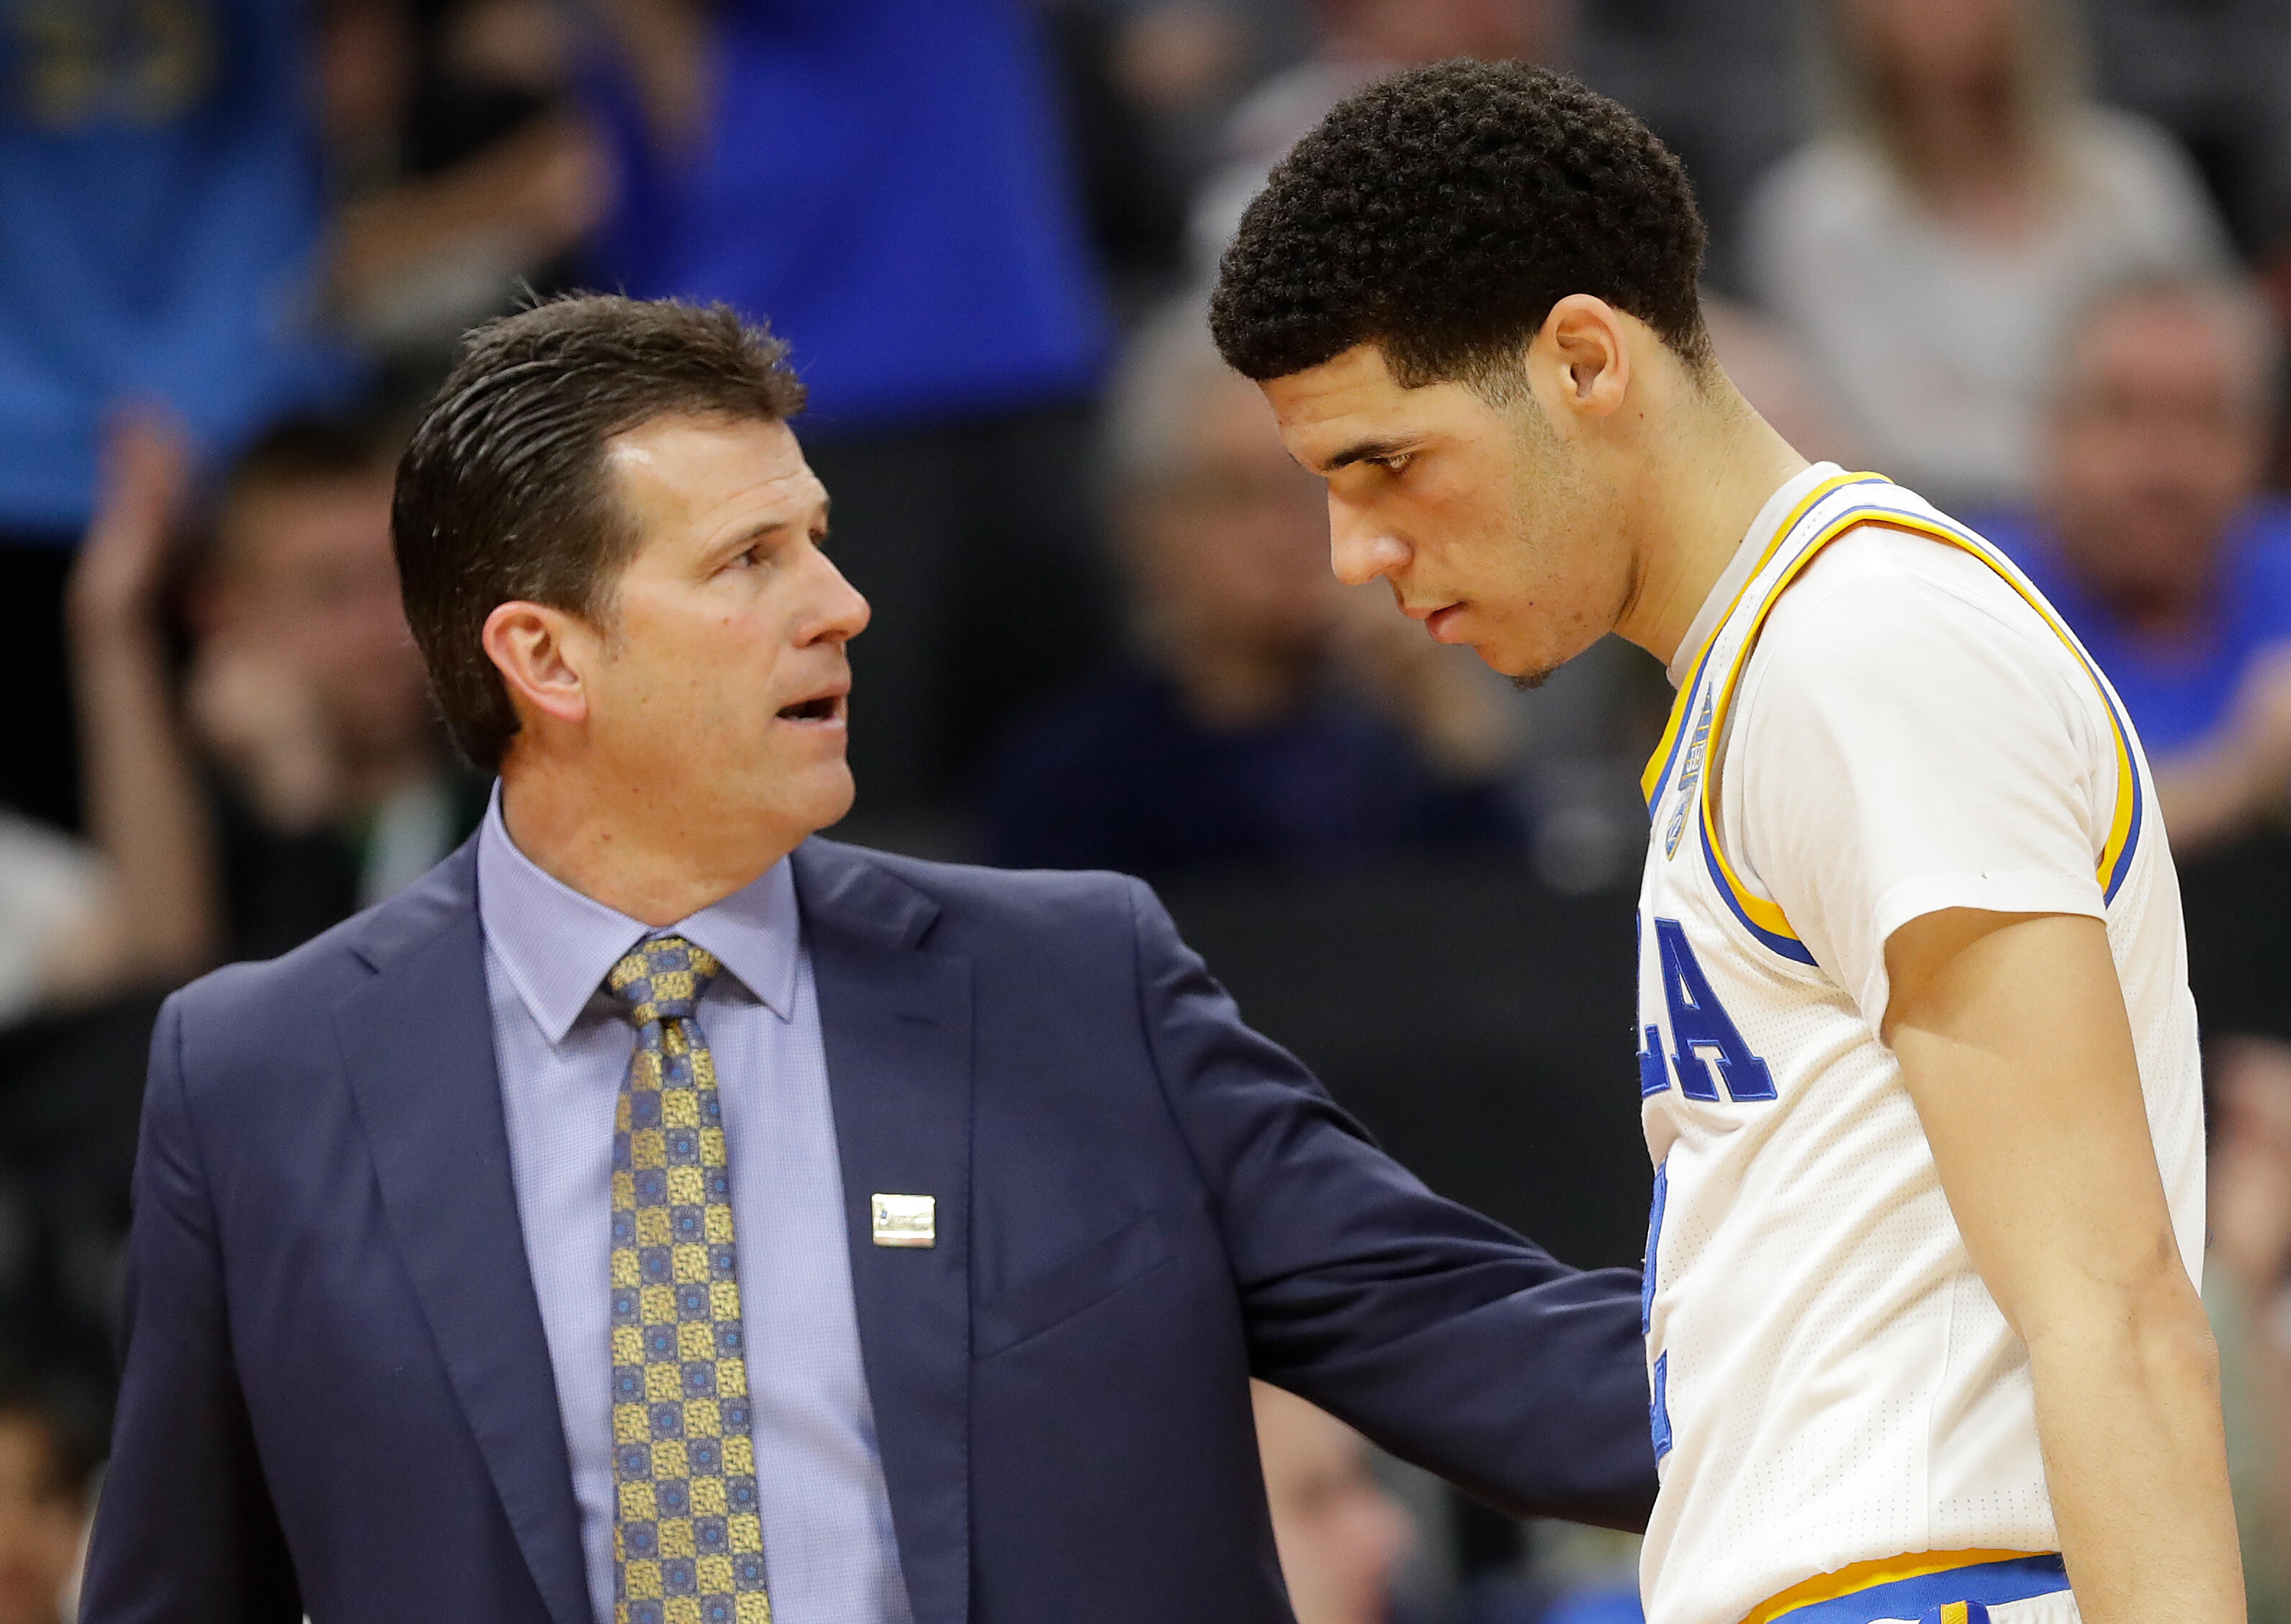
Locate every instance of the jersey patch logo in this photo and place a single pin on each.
(1689, 775)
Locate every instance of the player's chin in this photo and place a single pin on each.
(1527, 669)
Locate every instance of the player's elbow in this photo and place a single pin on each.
(2144, 1316)
(2172, 1337)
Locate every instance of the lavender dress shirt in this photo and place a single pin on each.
(562, 1053)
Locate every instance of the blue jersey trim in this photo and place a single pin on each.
(1658, 1412)
(1789, 946)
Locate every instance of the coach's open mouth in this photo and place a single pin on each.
(826, 707)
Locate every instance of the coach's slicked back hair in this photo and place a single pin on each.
(503, 495)
(1440, 213)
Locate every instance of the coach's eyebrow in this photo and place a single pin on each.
(771, 529)
(1362, 451)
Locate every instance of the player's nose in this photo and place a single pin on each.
(1361, 550)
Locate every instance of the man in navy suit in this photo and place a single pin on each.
(658, 1215)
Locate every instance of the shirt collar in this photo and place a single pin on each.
(556, 946)
(1743, 564)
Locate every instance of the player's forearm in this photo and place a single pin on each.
(2128, 1410)
(2014, 1041)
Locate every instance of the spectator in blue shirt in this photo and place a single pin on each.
(2155, 544)
(1272, 718)
(883, 182)
(162, 205)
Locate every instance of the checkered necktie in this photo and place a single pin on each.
(688, 1539)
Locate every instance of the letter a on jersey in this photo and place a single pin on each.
(1702, 1034)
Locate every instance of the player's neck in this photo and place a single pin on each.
(1704, 483)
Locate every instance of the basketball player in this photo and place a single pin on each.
(1917, 1054)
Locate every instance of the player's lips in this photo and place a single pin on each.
(1440, 623)
(824, 707)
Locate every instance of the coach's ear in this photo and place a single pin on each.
(542, 654)
(1583, 357)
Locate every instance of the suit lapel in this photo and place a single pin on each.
(897, 1022)
(417, 1039)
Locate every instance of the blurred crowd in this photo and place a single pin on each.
(2031, 259)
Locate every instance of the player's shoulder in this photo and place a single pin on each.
(1885, 605)
(1879, 580)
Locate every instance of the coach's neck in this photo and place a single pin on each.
(639, 851)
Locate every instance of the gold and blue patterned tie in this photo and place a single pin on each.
(687, 1533)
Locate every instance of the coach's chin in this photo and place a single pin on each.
(658, 1214)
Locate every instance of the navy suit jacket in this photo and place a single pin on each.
(337, 1397)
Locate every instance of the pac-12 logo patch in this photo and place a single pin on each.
(1689, 777)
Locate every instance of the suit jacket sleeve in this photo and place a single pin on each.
(186, 1532)
(1437, 1333)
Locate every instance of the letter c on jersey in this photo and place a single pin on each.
(1706, 1047)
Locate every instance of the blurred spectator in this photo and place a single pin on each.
(462, 175)
(301, 779)
(130, 906)
(162, 201)
(49, 1448)
(2214, 74)
(1361, 41)
(2248, 1291)
(1721, 80)
(334, 785)
(1340, 1534)
(1967, 198)
(148, 918)
(1143, 89)
(2154, 545)
(52, 914)
(882, 180)
(1274, 717)
(322, 783)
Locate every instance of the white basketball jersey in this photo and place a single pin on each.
(1845, 1424)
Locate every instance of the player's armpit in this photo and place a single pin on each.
(2013, 1042)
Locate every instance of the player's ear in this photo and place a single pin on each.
(543, 655)
(1587, 355)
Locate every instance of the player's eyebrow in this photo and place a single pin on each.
(1362, 451)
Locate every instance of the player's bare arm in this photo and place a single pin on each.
(2013, 1042)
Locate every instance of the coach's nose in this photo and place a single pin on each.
(1361, 549)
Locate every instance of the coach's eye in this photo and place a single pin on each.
(1396, 462)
